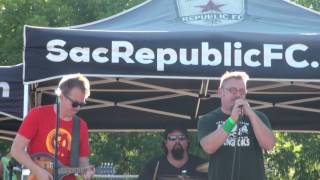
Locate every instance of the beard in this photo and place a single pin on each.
(177, 152)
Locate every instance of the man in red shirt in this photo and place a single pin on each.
(37, 132)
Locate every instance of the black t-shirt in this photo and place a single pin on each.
(249, 158)
(167, 169)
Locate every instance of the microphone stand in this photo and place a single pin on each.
(10, 167)
(236, 146)
(12, 164)
(55, 164)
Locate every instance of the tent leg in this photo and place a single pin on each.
(25, 99)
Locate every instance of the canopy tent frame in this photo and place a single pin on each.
(201, 94)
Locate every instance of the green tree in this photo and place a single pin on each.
(4, 147)
(131, 150)
(14, 14)
(296, 155)
(312, 4)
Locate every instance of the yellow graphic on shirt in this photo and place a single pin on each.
(64, 142)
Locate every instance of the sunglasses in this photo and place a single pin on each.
(176, 137)
(75, 104)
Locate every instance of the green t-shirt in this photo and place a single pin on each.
(249, 158)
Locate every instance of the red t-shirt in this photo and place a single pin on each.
(39, 127)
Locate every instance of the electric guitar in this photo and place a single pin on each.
(46, 161)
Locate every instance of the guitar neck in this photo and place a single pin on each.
(70, 170)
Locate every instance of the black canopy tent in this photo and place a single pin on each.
(158, 64)
(11, 100)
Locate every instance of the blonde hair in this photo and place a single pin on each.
(234, 75)
(71, 81)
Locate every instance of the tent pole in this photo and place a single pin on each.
(25, 111)
(25, 99)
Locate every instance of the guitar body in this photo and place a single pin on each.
(46, 161)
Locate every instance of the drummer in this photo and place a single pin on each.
(176, 161)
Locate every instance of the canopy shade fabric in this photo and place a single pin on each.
(158, 64)
(11, 100)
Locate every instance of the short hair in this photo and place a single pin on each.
(234, 75)
(68, 82)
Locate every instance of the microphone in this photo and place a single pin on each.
(241, 107)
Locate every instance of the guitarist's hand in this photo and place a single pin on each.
(87, 175)
(43, 174)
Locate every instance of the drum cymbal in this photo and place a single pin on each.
(204, 168)
(179, 177)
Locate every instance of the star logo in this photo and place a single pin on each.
(210, 12)
(210, 6)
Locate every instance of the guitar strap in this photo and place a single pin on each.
(74, 158)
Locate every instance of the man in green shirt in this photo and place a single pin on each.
(234, 135)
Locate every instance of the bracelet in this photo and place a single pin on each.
(228, 125)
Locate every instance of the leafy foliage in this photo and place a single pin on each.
(4, 147)
(14, 14)
(312, 4)
(129, 151)
(296, 155)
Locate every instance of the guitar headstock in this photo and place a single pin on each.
(106, 169)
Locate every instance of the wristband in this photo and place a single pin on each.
(228, 125)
